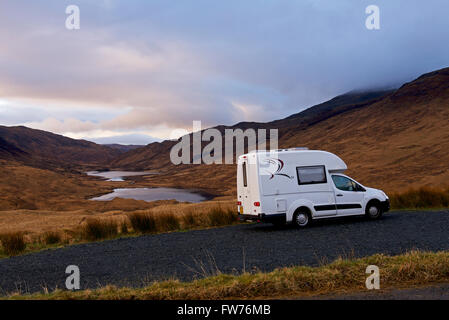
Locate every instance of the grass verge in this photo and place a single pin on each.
(341, 276)
(13, 243)
(421, 198)
(135, 224)
(95, 229)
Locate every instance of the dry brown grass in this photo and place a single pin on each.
(42, 229)
(182, 217)
(13, 243)
(96, 229)
(36, 222)
(189, 220)
(143, 222)
(222, 217)
(110, 225)
(343, 275)
(124, 229)
(168, 222)
(424, 197)
(51, 237)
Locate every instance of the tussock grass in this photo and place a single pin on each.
(221, 217)
(343, 275)
(51, 237)
(189, 220)
(168, 222)
(13, 243)
(163, 221)
(124, 228)
(421, 198)
(96, 229)
(142, 222)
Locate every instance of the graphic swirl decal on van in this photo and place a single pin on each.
(280, 164)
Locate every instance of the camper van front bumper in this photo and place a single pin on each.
(263, 217)
(385, 205)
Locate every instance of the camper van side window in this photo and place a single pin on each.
(245, 180)
(311, 175)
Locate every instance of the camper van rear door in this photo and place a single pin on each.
(246, 206)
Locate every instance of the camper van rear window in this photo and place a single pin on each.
(311, 175)
(245, 182)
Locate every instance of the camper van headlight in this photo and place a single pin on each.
(384, 194)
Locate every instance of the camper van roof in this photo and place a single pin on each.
(309, 157)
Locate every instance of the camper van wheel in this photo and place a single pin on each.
(373, 210)
(301, 218)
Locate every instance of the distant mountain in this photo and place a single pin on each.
(40, 147)
(123, 147)
(394, 139)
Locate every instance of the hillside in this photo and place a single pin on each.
(123, 147)
(10, 151)
(345, 102)
(41, 148)
(392, 140)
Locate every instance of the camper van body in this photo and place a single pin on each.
(295, 184)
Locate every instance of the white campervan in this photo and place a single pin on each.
(298, 185)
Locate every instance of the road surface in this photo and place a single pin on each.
(188, 255)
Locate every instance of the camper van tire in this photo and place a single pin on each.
(373, 210)
(301, 218)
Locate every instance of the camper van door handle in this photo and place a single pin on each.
(339, 195)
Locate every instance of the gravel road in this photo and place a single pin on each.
(187, 255)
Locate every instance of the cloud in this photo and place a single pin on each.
(63, 126)
(154, 66)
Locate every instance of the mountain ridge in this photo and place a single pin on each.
(43, 148)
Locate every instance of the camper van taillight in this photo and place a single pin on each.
(239, 203)
(257, 204)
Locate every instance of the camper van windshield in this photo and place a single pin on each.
(346, 184)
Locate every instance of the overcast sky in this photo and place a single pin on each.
(139, 69)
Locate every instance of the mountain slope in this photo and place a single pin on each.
(10, 151)
(400, 141)
(123, 147)
(393, 141)
(343, 103)
(41, 147)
